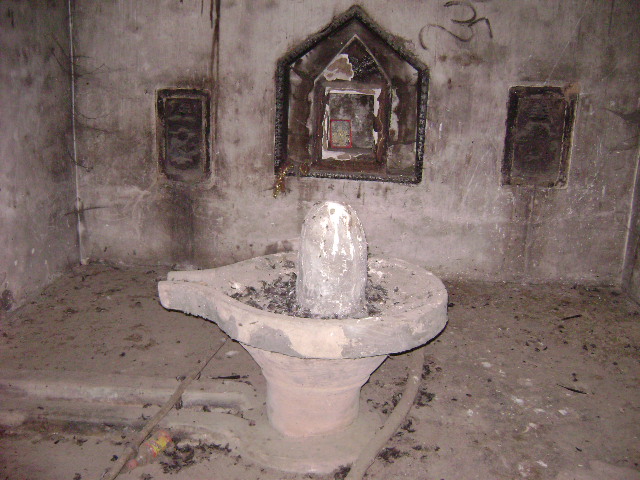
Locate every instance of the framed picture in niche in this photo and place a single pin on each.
(351, 103)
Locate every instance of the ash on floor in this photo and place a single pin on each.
(534, 382)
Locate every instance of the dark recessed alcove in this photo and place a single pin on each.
(183, 134)
(538, 137)
(351, 103)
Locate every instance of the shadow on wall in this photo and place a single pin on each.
(179, 218)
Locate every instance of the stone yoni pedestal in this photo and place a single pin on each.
(315, 367)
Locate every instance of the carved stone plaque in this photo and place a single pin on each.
(183, 134)
(538, 138)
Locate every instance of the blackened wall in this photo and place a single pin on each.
(37, 192)
(459, 221)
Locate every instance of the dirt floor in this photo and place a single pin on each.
(536, 382)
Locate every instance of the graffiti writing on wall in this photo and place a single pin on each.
(465, 24)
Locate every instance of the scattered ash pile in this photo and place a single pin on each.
(279, 296)
(185, 455)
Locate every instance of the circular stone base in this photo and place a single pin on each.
(309, 397)
(322, 454)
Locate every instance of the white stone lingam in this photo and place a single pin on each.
(315, 367)
(332, 262)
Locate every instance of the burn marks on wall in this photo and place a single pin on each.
(6, 300)
(183, 134)
(179, 216)
(538, 138)
(351, 103)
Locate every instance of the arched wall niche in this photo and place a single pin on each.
(351, 103)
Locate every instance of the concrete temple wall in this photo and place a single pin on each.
(459, 221)
(631, 267)
(37, 189)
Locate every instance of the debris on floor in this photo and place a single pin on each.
(527, 381)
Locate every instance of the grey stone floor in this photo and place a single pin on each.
(536, 382)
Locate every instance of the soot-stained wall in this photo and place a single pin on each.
(37, 219)
(459, 221)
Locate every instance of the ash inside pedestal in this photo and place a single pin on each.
(279, 296)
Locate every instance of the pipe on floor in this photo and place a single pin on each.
(132, 449)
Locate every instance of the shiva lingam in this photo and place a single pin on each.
(316, 364)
